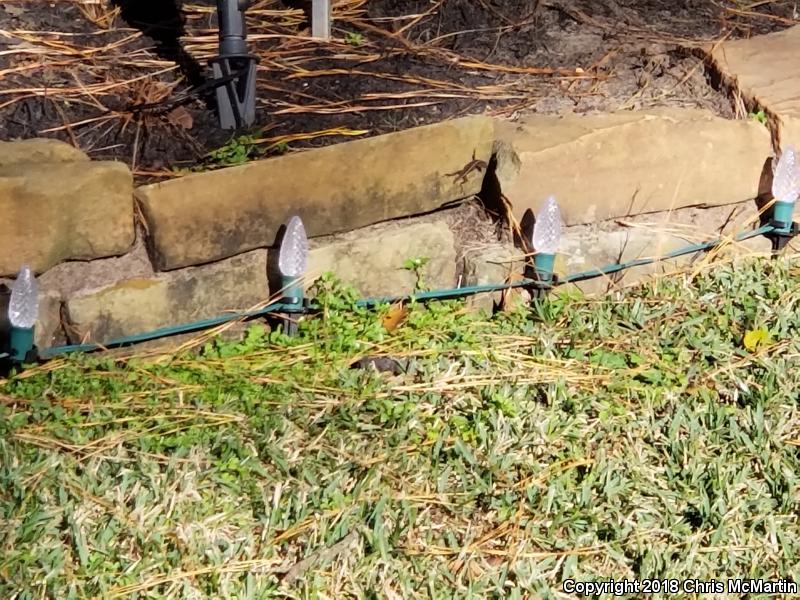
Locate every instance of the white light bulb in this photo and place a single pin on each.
(786, 180)
(23, 307)
(547, 228)
(293, 256)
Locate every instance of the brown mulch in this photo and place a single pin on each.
(84, 71)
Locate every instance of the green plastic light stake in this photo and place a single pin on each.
(545, 264)
(785, 189)
(21, 344)
(782, 214)
(293, 292)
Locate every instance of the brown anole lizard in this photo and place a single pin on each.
(473, 165)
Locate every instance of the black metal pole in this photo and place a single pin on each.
(234, 68)
(232, 28)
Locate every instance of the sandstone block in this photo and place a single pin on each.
(611, 165)
(209, 216)
(37, 151)
(372, 260)
(766, 69)
(63, 210)
(140, 305)
(497, 263)
(588, 247)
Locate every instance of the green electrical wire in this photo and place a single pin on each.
(169, 331)
(445, 294)
(442, 294)
(674, 254)
(494, 287)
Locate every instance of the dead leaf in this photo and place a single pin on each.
(474, 569)
(396, 315)
(180, 117)
(456, 565)
(495, 561)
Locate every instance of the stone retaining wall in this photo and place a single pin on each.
(629, 185)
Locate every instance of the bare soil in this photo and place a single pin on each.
(125, 79)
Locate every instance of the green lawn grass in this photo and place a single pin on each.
(650, 434)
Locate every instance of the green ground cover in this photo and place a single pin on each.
(650, 434)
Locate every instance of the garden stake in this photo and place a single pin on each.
(784, 228)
